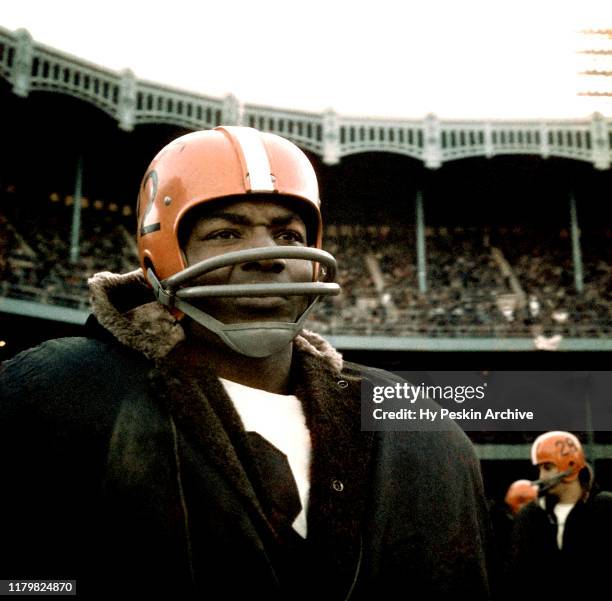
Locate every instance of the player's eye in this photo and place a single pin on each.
(224, 234)
(291, 236)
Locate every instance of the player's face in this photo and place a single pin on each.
(547, 471)
(246, 225)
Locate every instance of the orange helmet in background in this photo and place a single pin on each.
(520, 493)
(211, 165)
(562, 449)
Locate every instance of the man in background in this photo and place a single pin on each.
(560, 544)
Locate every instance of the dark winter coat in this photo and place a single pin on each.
(580, 567)
(127, 469)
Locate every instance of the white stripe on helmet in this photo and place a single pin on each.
(259, 176)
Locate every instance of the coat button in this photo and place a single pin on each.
(337, 485)
(342, 383)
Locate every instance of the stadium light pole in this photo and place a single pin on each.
(576, 251)
(420, 241)
(75, 232)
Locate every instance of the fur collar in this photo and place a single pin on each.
(124, 305)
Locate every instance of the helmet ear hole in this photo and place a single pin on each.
(147, 264)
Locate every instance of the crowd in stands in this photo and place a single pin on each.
(477, 283)
(36, 262)
(518, 285)
(546, 272)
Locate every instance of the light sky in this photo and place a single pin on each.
(470, 59)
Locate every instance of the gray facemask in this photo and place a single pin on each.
(254, 339)
(545, 484)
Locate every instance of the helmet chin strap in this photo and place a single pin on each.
(253, 339)
(256, 339)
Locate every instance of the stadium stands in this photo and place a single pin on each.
(507, 282)
(469, 294)
(36, 254)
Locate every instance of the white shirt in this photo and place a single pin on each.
(280, 420)
(562, 511)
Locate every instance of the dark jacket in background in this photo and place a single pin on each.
(539, 568)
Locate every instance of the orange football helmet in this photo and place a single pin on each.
(211, 165)
(562, 449)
